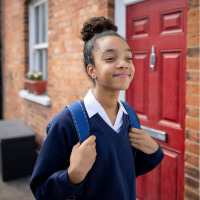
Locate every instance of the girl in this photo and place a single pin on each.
(103, 165)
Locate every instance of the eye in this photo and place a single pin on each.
(109, 59)
(130, 59)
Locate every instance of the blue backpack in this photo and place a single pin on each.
(82, 125)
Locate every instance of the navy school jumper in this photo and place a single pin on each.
(113, 175)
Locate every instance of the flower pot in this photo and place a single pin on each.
(36, 87)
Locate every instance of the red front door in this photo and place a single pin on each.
(158, 96)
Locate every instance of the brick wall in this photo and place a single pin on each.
(67, 80)
(192, 104)
(66, 74)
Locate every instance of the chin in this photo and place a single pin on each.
(123, 87)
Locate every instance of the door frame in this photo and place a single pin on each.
(120, 21)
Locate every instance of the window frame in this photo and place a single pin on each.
(32, 46)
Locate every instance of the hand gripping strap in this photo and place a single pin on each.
(80, 120)
(81, 124)
(133, 120)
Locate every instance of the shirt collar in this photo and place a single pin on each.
(93, 106)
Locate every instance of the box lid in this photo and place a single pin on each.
(14, 129)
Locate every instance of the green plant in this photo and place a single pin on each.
(37, 76)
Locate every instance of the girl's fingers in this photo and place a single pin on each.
(133, 135)
(136, 141)
(135, 145)
(135, 130)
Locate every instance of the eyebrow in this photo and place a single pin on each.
(128, 50)
(115, 50)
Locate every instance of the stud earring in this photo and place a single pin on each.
(94, 78)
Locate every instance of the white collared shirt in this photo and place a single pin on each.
(93, 106)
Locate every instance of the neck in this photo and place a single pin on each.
(107, 98)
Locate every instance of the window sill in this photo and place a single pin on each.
(42, 99)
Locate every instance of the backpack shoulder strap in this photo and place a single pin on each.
(135, 123)
(81, 124)
(134, 120)
(80, 120)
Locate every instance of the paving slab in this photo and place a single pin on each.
(16, 190)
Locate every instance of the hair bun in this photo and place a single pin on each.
(96, 25)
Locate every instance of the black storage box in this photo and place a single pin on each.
(17, 150)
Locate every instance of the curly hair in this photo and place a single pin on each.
(93, 29)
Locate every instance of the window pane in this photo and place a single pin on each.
(36, 61)
(40, 26)
(45, 64)
(37, 25)
(40, 61)
(44, 22)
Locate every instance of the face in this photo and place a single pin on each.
(114, 68)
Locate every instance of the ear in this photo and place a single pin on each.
(91, 71)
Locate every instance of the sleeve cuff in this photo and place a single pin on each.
(158, 155)
(67, 186)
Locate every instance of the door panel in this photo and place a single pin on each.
(170, 88)
(170, 168)
(158, 96)
(149, 187)
(171, 22)
(140, 27)
(152, 189)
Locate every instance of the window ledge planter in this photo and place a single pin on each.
(36, 87)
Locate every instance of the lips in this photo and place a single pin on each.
(122, 75)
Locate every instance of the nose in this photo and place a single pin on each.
(122, 64)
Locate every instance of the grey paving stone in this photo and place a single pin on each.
(16, 190)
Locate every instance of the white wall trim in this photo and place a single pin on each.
(37, 2)
(120, 21)
(41, 46)
(129, 2)
(42, 99)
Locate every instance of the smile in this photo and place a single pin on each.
(122, 75)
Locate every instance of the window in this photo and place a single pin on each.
(38, 38)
